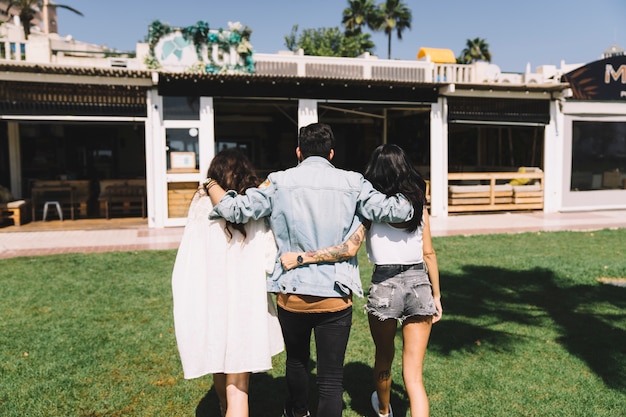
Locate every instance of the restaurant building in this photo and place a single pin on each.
(113, 134)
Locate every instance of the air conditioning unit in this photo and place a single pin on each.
(118, 62)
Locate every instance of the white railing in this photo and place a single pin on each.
(380, 72)
(367, 67)
(453, 73)
(12, 50)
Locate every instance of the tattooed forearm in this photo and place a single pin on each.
(340, 252)
(332, 254)
(358, 237)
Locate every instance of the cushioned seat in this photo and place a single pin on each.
(527, 188)
(17, 210)
(479, 188)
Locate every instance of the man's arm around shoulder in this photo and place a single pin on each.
(236, 208)
(377, 207)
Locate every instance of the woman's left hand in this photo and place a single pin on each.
(437, 316)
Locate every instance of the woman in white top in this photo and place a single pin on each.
(225, 322)
(405, 282)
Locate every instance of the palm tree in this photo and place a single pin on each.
(360, 13)
(395, 16)
(476, 49)
(29, 8)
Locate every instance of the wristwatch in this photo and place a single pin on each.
(207, 181)
(299, 259)
(206, 184)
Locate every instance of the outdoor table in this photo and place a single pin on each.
(40, 195)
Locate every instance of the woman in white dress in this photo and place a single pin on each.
(225, 321)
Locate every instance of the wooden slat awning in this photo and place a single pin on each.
(498, 110)
(242, 85)
(19, 98)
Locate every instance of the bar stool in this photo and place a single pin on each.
(52, 203)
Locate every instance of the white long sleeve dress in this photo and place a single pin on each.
(224, 319)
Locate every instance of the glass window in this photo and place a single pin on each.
(181, 108)
(266, 131)
(494, 148)
(5, 173)
(598, 156)
(182, 150)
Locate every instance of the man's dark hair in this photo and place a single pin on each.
(316, 139)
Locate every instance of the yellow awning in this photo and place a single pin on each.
(437, 55)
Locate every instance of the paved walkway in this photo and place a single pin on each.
(22, 241)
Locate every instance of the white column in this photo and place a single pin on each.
(554, 163)
(307, 112)
(156, 181)
(439, 158)
(206, 143)
(15, 159)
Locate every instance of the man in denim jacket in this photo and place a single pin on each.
(311, 206)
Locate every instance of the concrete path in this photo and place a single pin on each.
(66, 237)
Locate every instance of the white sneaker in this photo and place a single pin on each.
(375, 406)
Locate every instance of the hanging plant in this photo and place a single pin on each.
(198, 35)
(151, 62)
(156, 31)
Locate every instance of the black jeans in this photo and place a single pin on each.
(331, 338)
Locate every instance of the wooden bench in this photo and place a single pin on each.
(528, 194)
(17, 211)
(122, 196)
(494, 196)
(479, 194)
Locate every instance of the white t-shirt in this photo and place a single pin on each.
(390, 245)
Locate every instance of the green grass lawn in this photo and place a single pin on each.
(527, 331)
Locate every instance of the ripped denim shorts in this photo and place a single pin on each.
(399, 292)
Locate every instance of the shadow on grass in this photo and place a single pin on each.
(359, 385)
(484, 298)
(264, 390)
(489, 296)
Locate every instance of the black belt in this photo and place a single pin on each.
(399, 267)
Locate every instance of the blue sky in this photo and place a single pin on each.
(518, 32)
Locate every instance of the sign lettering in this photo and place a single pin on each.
(610, 73)
(602, 80)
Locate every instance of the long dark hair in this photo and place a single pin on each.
(233, 171)
(390, 172)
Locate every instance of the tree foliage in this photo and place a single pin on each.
(328, 42)
(391, 16)
(360, 13)
(476, 49)
(27, 9)
(396, 17)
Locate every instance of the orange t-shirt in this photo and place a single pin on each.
(297, 303)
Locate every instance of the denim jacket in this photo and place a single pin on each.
(313, 206)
